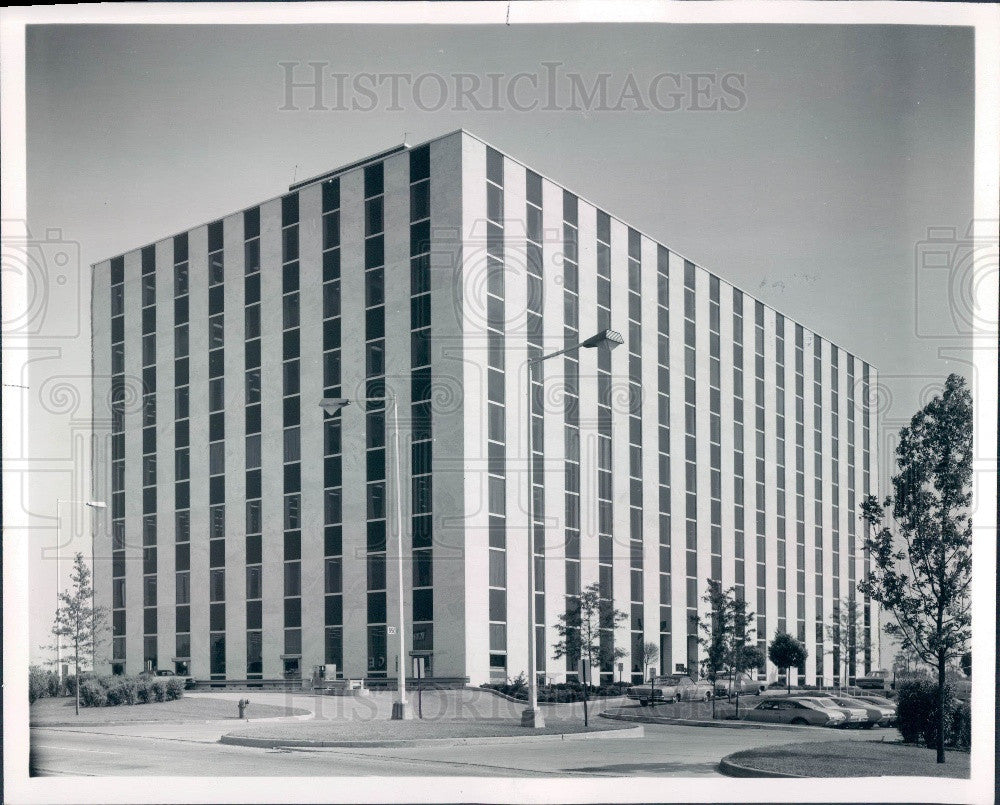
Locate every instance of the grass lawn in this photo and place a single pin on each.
(60, 711)
(854, 759)
(386, 730)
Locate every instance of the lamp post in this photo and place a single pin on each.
(400, 708)
(532, 716)
(92, 504)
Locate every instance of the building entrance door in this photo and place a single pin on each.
(292, 668)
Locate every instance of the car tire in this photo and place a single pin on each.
(798, 722)
(644, 702)
(868, 725)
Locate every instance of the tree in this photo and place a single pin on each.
(649, 656)
(922, 565)
(716, 633)
(787, 652)
(725, 633)
(586, 631)
(845, 626)
(77, 620)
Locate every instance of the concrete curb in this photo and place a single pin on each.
(733, 769)
(303, 743)
(724, 724)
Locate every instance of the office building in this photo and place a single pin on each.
(253, 534)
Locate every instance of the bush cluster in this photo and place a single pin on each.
(917, 715)
(43, 684)
(114, 691)
(558, 693)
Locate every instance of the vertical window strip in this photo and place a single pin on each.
(637, 620)
(779, 460)
(866, 419)
(252, 399)
(496, 427)
(852, 513)
(739, 513)
(761, 462)
(291, 420)
(800, 492)
(835, 504)
(605, 479)
(117, 486)
(535, 297)
(715, 427)
(333, 549)
(421, 448)
(375, 413)
(149, 523)
(818, 500)
(690, 467)
(182, 452)
(571, 407)
(216, 452)
(663, 443)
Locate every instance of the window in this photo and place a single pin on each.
(254, 587)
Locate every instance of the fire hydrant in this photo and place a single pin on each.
(243, 704)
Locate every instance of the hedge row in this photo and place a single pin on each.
(113, 691)
(917, 715)
(43, 684)
(558, 693)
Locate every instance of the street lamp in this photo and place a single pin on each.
(93, 504)
(400, 708)
(605, 339)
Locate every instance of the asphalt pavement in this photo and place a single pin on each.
(192, 749)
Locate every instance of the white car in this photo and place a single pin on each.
(744, 685)
(795, 711)
(853, 716)
(671, 688)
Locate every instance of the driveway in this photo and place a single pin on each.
(191, 749)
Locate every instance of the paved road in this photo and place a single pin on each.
(170, 749)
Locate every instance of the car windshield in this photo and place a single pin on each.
(827, 702)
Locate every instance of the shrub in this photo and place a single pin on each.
(93, 693)
(123, 690)
(145, 689)
(42, 683)
(174, 689)
(159, 690)
(917, 711)
(959, 734)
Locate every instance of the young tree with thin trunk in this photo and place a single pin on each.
(650, 655)
(920, 538)
(78, 621)
(845, 627)
(586, 632)
(787, 652)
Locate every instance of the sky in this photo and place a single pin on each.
(815, 193)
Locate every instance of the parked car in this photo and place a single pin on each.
(671, 688)
(795, 711)
(744, 684)
(853, 716)
(877, 714)
(879, 701)
(876, 680)
(186, 680)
